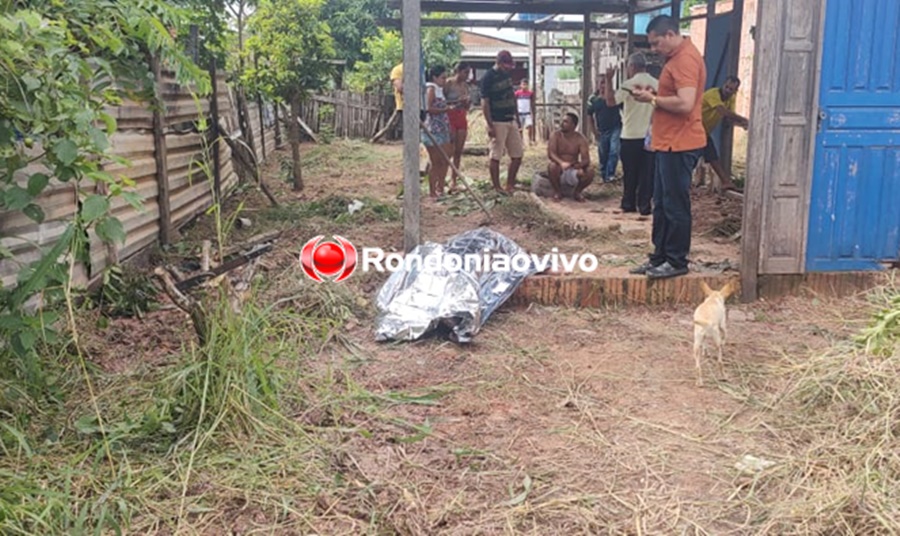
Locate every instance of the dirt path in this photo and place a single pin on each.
(562, 421)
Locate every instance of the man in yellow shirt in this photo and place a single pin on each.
(718, 105)
(397, 86)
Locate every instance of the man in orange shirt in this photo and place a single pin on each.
(678, 138)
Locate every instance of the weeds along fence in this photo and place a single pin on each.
(167, 154)
(345, 114)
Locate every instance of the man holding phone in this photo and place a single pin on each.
(677, 137)
(637, 163)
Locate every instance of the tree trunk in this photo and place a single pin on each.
(295, 143)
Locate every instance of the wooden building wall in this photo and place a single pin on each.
(782, 135)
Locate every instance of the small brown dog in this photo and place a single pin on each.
(709, 321)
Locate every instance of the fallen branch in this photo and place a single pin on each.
(375, 128)
(235, 145)
(390, 124)
(189, 305)
(252, 242)
(227, 265)
(302, 124)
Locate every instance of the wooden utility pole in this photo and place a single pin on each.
(532, 64)
(412, 97)
(629, 46)
(586, 71)
(262, 116)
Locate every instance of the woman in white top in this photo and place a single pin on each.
(438, 125)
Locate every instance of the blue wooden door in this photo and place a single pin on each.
(854, 219)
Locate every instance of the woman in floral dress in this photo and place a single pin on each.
(438, 125)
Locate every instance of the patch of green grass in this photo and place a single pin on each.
(339, 154)
(334, 208)
(882, 336)
(185, 443)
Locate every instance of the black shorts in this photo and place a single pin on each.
(710, 154)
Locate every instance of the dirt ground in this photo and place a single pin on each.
(554, 421)
(620, 241)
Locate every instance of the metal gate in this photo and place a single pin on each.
(854, 218)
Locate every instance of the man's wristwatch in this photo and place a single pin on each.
(653, 102)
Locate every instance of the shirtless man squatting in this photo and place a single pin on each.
(570, 160)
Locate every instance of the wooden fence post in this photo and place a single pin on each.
(262, 117)
(262, 126)
(214, 132)
(244, 120)
(278, 140)
(348, 117)
(159, 144)
(337, 113)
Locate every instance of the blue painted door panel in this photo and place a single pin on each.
(854, 220)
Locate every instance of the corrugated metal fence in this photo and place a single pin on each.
(188, 155)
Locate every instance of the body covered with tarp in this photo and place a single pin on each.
(427, 295)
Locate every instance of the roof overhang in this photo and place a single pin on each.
(551, 26)
(548, 7)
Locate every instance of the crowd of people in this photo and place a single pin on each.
(507, 112)
(658, 128)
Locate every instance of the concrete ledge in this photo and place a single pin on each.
(596, 292)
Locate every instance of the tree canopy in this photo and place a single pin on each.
(293, 48)
(441, 46)
(351, 23)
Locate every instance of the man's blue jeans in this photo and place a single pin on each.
(608, 152)
(672, 207)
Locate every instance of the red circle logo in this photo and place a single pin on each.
(336, 257)
(328, 258)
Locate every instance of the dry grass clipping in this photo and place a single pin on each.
(523, 210)
(841, 410)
